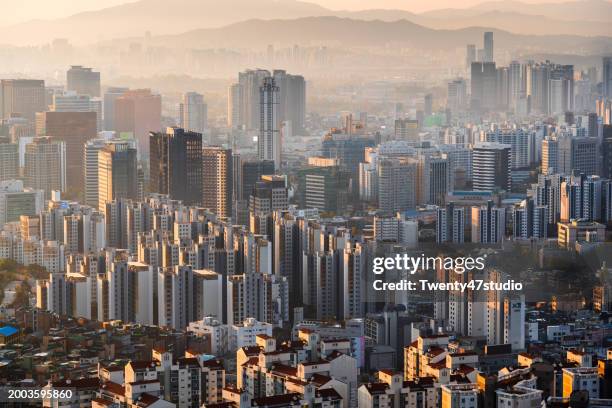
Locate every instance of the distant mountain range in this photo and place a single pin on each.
(163, 17)
(343, 31)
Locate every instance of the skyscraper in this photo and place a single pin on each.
(193, 112)
(138, 112)
(45, 165)
(117, 173)
(457, 95)
(74, 129)
(488, 47)
(217, 180)
(90, 171)
(491, 166)
(9, 159)
(397, 184)
(292, 98)
(23, 96)
(607, 77)
(470, 55)
(483, 85)
(269, 143)
(110, 98)
(83, 81)
(175, 164)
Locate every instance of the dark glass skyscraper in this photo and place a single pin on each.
(176, 164)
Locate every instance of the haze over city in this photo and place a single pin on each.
(306, 204)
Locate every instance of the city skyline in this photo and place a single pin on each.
(299, 208)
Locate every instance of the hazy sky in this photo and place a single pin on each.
(22, 10)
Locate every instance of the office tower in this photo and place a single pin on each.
(491, 166)
(488, 224)
(407, 129)
(250, 172)
(322, 184)
(457, 95)
(9, 159)
(428, 105)
(90, 171)
(550, 155)
(483, 85)
(269, 194)
(488, 47)
(269, 144)
(349, 150)
(193, 112)
(45, 165)
(530, 221)
(217, 180)
(74, 129)
(607, 77)
(434, 179)
(110, 98)
(15, 201)
(72, 102)
(22, 96)
(450, 224)
(593, 125)
(138, 112)
(578, 154)
(521, 141)
(470, 55)
(397, 184)
(83, 81)
(175, 164)
(607, 151)
(117, 173)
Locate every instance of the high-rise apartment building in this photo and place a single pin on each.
(217, 180)
(175, 164)
(450, 224)
(193, 112)
(491, 166)
(22, 96)
(397, 184)
(244, 99)
(488, 224)
(117, 173)
(488, 47)
(9, 159)
(607, 77)
(74, 129)
(83, 81)
(269, 143)
(138, 112)
(45, 165)
(522, 144)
